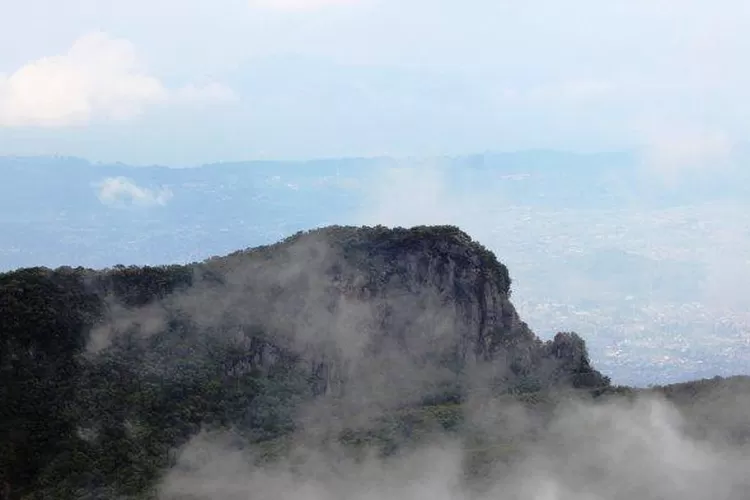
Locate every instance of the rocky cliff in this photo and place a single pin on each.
(103, 374)
(403, 310)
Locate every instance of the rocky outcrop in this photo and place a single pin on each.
(383, 314)
(395, 307)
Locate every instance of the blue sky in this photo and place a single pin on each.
(186, 82)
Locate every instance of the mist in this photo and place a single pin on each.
(615, 450)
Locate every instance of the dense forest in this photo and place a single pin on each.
(370, 339)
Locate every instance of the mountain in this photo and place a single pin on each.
(645, 265)
(342, 362)
(106, 373)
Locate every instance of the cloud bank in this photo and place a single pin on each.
(99, 78)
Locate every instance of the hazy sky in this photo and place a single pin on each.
(191, 81)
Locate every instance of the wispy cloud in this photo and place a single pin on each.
(121, 191)
(423, 193)
(99, 78)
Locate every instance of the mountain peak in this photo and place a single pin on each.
(426, 292)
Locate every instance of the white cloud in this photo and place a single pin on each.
(99, 78)
(121, 191)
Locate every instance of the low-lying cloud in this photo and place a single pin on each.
(122, 191)
(621, 450)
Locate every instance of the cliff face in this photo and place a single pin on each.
(425, 305)
(416, 307)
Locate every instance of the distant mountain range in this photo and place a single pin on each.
(644, 265)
